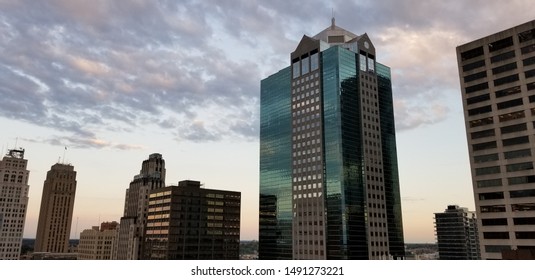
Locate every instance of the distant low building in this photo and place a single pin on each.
(98, 244)
(187, 222)
(457, 237)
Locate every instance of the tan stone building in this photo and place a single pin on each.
(98, 244)
(497, 75)
(55, 215)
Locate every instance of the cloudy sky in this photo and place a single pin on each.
(115, 81)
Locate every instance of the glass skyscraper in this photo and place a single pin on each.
(329, 186)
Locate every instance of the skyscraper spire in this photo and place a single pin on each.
(332, 19)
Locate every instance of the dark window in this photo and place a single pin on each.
(486, 158)
(519, 166)
(506, 80)
(510, 103)
(492, 208)
(513, 128)
(525, 234)
(496, 248)
(471, 53)
(483, 133)
(529, 61)
(477, 87)
(480, 122)
(512, 116)
(491, 195)
(496, 235)
(526, 36)
(475, 76)
(473, 65)
(531, 98)
(528, 49)
(494, 222)
(479, 98)
(488, 170)
(523, 207)
(515, 141)
(503, 68)
(501, 44)
(531, 86)
(489, 183)
(523, 193)
(484, 146)
(517, 154)
(502, 56)
(480, 110)
(530, 73)
(524, 221)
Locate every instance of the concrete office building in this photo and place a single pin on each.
(187, 222)
(132, 224)
(13, 203)
(98, 243)
(329, 186)
(456, 231)
(55, 214)
(497, 75)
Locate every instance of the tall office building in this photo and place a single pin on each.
(456, 231)
(98, 243)
(55, 214)
(329, 186)
(187, 222)
(497, 75)
(13, 203)
(132, 225)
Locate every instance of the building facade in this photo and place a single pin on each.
(13, 203)
(98, 243)
(55, 214)
(497, 75)
(457, 237)
(132, 224)
(329, 186)
(187, 222)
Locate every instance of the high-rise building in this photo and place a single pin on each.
(132, 225)
(187, 222)
(13, 203)
(55, 214)
(497, 75)
(329, 186)
(98, 243)
(456, 231)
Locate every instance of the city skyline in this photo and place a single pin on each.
(170, 80)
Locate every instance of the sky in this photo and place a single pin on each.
(115, 81)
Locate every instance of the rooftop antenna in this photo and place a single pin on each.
(63, 161)
(332, 19)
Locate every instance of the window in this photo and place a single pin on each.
(506, 80)
(502, 56)
(314, 61)
(489, 183)
(510, 103)
(500, 44)
(530, 73)
(471, 53)
(296, 67)
(486, 158)
(512, 116)
(473, 65)
(513, 128)
(515, 141)
(496, 235)
(507, 91)
(362, 62)
(491, 195)
(523, 193)
(481, 122)
(519, 166)
(523, 207)
(496, 248)
(487, 170)
(477, 87)
(492, 208)
(476, 76)
(484, 146)
(480, 110)
(524, 221)
(525, 234)
(528, 49)
(517, 154)
(304, 66)
(482, 134)
(503, 68)
(371, 65)
(526, 36)
(477, 99)
(529, 61)
(518, 181)
(494, 222)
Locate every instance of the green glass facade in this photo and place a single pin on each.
(360, 184)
